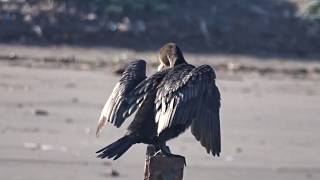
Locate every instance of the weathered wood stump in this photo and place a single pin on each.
(158, 167)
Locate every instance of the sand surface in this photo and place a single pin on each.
(48, 116)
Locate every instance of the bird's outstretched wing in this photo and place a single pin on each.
(190, 96)
(117, 103)
(148, 86)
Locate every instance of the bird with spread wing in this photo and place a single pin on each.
(165, 104)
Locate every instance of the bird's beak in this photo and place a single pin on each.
(160, 67)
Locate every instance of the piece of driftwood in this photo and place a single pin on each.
(158, 167)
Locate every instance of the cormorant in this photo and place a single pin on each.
(178, 96)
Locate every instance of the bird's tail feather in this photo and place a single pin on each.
(116, 149)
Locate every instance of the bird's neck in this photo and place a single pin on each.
(178, 61)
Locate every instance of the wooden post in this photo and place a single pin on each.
(162, 168)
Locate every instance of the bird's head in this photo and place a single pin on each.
(170, 56)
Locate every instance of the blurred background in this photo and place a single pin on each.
(59, 61)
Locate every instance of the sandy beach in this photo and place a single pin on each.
(49, 112)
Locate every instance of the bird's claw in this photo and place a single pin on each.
(159, 153)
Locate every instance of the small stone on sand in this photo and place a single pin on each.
(41, 112)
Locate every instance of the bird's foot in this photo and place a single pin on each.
(167, 149)
(161, 153)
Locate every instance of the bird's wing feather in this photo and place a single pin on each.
(139, 94)
(190, 96)
(117, 103)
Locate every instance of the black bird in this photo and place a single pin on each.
(179, 95)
